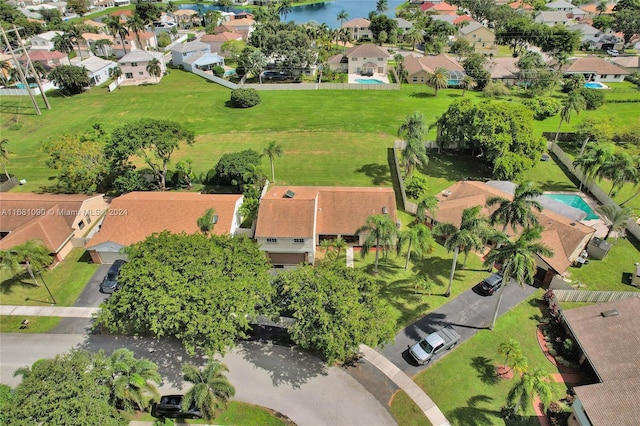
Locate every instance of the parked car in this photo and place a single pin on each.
(613, 52)
(110, 282)
(274, 75)
(171, 406)
(433, 344)
(489, 285)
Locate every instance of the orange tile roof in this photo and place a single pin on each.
(357, 23)
(224, 36)
(520, 4)
(593, 64)
(144, 213)
(242, 22)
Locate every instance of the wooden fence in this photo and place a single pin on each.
(593, 296)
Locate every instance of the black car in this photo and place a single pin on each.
(489, 285)
(110, 282)
(171, 406)
(274, 75)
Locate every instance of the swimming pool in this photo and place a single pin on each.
(595, 85)
(575, 201)
(368, 81)
(22, 86)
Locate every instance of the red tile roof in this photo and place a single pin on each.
(439, 7)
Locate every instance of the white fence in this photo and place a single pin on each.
(321, 86)
(211, 77)
(24, 92)
(593, 296)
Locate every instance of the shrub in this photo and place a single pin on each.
(542, 107)
(495, 89)
(218, 71)
(164, 39)
(415, 186)
(555, 407)
(245, 98)
(594, 98)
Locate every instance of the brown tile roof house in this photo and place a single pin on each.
(51, 218)
(610, 344)
(418, 68)
(596, 69)
(566, 237)
(137, 215)
(293, 220)
(502, 69)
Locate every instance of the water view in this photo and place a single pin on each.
(319, 12)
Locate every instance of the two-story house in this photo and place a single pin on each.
(44, 41)
(359, 29)
(134, 65)
(479, 36)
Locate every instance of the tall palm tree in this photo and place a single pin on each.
(620, 169)
(437, 80)
(616, 216)
(284, 8)
(512, 352)
(380, 233)
(519, 211)
(601, 7)
(470, 236)
(326, 245)
(4, 156)
(272, 151)
(414, 130)
(518, 261)
(137, 25)
(116, 29)
(154, 68)
(427, 204)
(133, 380)
(206, 221)
(419, 242)
(574, 102)
(115, 72)
(532, 383)
(33, 254)
(382, 6)
(62, 43)
(414, 36)
(211, 389)
(593, 159)
(338, 245)
(342, 17)
(467, 83)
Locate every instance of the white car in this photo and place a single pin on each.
(613, 52)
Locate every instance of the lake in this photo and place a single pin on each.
(318, 12)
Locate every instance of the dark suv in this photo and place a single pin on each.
(489, 285)
(171, 406)
(110, 282)
(274, 75)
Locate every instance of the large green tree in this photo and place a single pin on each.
(626, 18)
(211, 389)
(532, 383)
(4, 156)
(437, 80)
(380, 234)
(70, 79)
(336, 309)
(202, 290)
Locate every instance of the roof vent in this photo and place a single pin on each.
(609, 313)
(446, 193)
(289, 194)
(385, 210)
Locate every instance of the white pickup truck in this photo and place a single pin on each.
(433, 344)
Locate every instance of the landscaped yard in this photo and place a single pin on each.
(463, 384)
(13, 324)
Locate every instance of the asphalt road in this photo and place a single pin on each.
(284, 379)
(466, 313)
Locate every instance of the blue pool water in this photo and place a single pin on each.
(22, 86)
(574, 201)
(595, 85)
(228, 73)
(368, 81)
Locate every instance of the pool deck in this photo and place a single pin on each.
(381, 77)
(598, 224)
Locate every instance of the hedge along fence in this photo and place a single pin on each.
(592, 296)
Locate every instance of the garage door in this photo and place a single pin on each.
(110, 257)
(286, 258)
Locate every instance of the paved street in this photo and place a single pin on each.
(286, 380)
(467, 313)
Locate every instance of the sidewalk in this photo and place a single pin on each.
(48, 311)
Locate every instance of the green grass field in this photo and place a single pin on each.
(13, 324)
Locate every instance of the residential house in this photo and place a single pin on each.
(54, 219)
(137, 215)
(592, 9)
(403, 25)
(552, 18)
(44, 41)
(89, 45)
(596, 69)
(569, 9)
(608, 335)
(418, 68)
(50, 59)
(629, 63)
(142, 41)
(503, 69)
(439, 8)
(359, 29)
(293, 221)
(180, 53)
(134, 65)
(367, 59)
(588, 33)
(338, 63)
(453, 19)
(521, 6)
(479, 36)
(562, 232)
(605, 42)
(97, 69)
(185, 18)
(215, 41)
(98, 26)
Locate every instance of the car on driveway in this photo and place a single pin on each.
(613, 52)
(110, 282)
(274, 75)
(171, 406)
(489, 285)
(424, 351)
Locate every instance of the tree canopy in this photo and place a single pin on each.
(70, 79)
(201, 290)
(233, 167)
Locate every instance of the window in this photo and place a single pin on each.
(140, 73)
(604, 76)
(379, 59)
(272, 241)
(415, 79)
(298, 240)
(87, 218)
(616, 76)
(354, 59)
(81, 224)
(134, 64)
(129, 75)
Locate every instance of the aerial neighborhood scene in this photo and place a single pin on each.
(315, 212)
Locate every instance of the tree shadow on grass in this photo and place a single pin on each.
(435, 269)
(379, 173)
(421, 95)
(472, 414)
(21, 279)
(552, 185)
(401, 292)
(455, 166)
(486, 370)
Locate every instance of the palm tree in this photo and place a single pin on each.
(211, 389)
(519, 211)
(207, 221)
(33, 254)
(413, 36)
(326, 245)
(419, 240)
(620, 169)
(470, 236)
(342, 17)
(115, 72)
(593, 159)
(413, 130)
(438, 80)
(574, 102)
(4, 156)
(512, 353)
(601, 7)
(381, 233)
(137, 25)
(399, 65)
(518, 261)
(532, 383)
(414, 154)
(382, 6)
(272, 151)
(467, 83)
(133, 380)
(616, 216)
(116, 29)
(154, 68)
(284, 8)
(413, 127)
(427, 204)
(338, 244)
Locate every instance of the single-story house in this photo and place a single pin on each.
(181, 52)
(101, 27)
(439, 8)
(503, 69)
(587, 32)
(44, 41)
(521, 5)
(97, 69)
(630, 63)
(403, 24)
(215, 41)
(418, 68)
(359, 29)
(292, 221)
(54, 219)
(595, 69)
(138, 215)
(552, 18)
(362, 59)
(479, 36)
(566, 7)
(565, 236)
(50, 59)
(592, 9)
(134, 64)
(608, 335)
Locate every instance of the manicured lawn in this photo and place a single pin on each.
(66, 282)
(406, 412)
(463, 383)
(13, 324)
